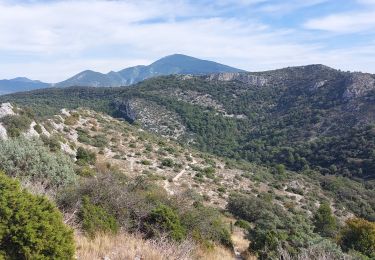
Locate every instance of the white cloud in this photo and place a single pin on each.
(61, 38)
(344, 23)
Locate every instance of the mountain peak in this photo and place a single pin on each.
(171, 64)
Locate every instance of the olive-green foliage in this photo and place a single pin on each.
(324, 221)
(137, 204)
(84, 156)
(359, 235)
(31, 160)
(357, 196)
(167, 162)
(274, 227)
(243, 224)
(52, 142)
(164, 219)
(16, 124)
(31, 227)
(205, 224)
(96, 219)
(38, 129)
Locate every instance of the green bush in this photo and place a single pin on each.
(31, 160)
(325, 221)
(84, 156)
(86, 171)
(274, 227)
(167, 162)
(163, 219)
(38, 129)
(243, 224)
(205, 224)
(96, 219)
(16, 124)
(53, 142)
(31, 227)
(359, 235)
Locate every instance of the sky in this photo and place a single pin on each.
(51, 40)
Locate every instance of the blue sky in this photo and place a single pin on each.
(51, 40)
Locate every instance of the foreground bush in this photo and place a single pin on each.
(96, 219)
(359, 235)
(31, 227)
(30, 160)
(164, 219)
(139, 205)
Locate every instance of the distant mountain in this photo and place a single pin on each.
(20, 84)
(173, 64)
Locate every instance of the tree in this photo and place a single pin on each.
(324, 221)
(280, 169)
(359, 235)
(31, 227)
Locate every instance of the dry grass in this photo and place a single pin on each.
(126, 246)
(218, 253)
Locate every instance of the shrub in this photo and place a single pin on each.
(325, 221)
(359, 235)
(243, 224)
(167, 162)
(163, 219)
(99, 141)
(86, 171)
(205, 224)
(84, 156)
(96, 219)
(72, 120)
(31, 227)
(145, 162)
(16, 124)
(53, 143)
(38, 129)
(30, 160)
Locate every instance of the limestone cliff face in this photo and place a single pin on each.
(246, 78)
(359, 85)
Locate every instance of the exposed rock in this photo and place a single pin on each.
(359, 85)
(318, 85)
(3, 132)
(246, 78)
(31, 132)
(65, 112)
(123, 109)
(6, 109)
(67, 149)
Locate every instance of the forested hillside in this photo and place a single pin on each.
(128, 193)
(302, 117)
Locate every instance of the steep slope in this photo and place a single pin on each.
(20, 84)
(303, 117)
(173, 64)
(128, 172)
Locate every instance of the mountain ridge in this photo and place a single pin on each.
(171, 64)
